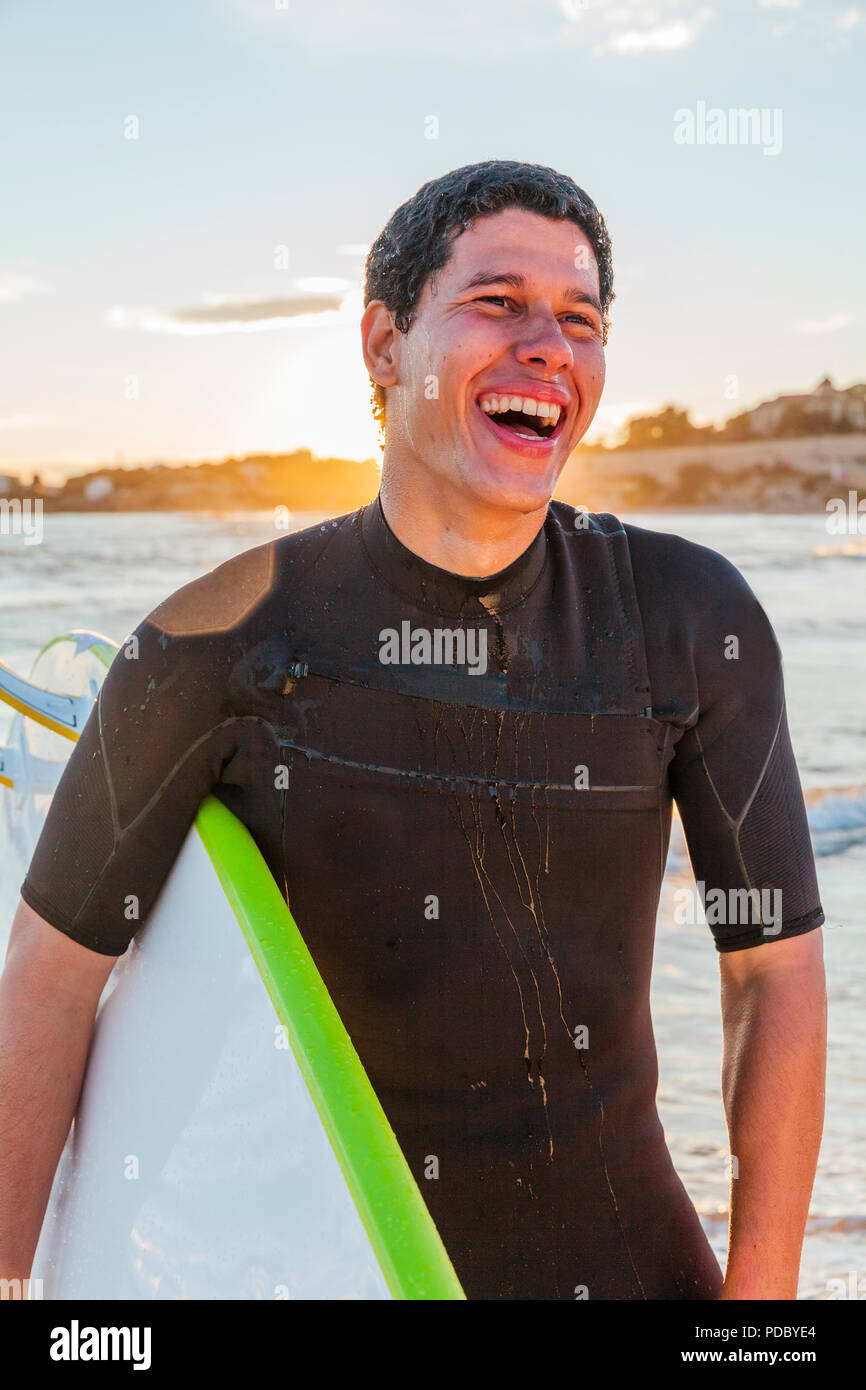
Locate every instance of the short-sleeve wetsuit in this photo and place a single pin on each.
(471, 831)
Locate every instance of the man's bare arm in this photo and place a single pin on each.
(774, 1015)
(49, 991)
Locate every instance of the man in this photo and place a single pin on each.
(481, 703)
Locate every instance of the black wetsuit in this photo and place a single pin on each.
(474, 856)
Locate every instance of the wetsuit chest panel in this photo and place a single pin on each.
(490, 953)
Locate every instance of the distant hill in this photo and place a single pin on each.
(825, 410)
(788, 454)
(298, 481)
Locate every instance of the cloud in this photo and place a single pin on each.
(498, 30)
(831, 324)
(843, 27)
(237, 313)
(14, 286)
(832, 22)
(655, 38)
(629, 29)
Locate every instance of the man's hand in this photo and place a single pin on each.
(49, 991)
(774, 1016)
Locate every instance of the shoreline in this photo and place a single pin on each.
(787, 476)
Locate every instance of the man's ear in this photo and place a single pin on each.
(378, 340)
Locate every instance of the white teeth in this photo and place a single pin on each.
(527, 405)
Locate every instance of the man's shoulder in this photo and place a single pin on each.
(238, 590)
(699, 593)
(681, 586)
(683, 563)
(663, 556)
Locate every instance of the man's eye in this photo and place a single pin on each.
(582, 319)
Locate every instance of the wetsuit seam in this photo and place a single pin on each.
(755, 789)
(640, 632)
(106, 767)
(123, 832)
(747, 807)
(627, 625)
(728, 817)
(736, 825)
(417, 776)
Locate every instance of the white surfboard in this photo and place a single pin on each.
(228, 1143)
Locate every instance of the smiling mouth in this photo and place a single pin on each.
(526, 426)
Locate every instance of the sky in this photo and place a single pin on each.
(189, 189)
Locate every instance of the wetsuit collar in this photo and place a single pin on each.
(439, 590)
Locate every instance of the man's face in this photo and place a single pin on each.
(479, 341)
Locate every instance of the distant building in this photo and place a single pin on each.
(826, 409)
(7, 484)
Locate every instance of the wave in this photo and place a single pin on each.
(836, 816)
(849, 550)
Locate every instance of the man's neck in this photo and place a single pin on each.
(455, 533)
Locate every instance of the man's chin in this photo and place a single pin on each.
(511, 486)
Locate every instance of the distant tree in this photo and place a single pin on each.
(737, 429)
(664, 430)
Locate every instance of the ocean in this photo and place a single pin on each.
(104, 572)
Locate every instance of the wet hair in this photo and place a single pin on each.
(417, 240)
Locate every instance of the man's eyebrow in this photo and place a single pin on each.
(573, 295)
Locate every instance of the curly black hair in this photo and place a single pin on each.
(417, 240)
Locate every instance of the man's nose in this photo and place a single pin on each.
(543, 342)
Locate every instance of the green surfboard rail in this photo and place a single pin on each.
(401, 1231)
(399, 1226)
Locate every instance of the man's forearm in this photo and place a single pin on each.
(43, 1052)
(773, 1077)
